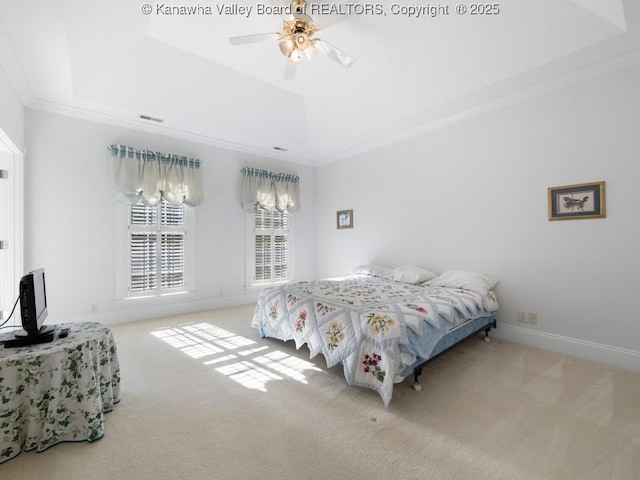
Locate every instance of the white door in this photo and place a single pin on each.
(10, 228)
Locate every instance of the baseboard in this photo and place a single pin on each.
(145, 310)
(594, 352)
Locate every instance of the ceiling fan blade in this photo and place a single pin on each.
(260, 37)
(333, 53)
(289, 70)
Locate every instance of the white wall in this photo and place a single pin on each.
(70, 220)
(473, 196)
(11, 112)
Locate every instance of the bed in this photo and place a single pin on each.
(383, 325)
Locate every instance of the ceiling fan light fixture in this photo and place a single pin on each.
(296, 55)
(302, 40)
(287, 46)
(290, 50)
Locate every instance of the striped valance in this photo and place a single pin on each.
(148, 155)
(269, 190)
(147, 176)
(267, 175)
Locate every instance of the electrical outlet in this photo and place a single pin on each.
(523, 316)
(533, 318)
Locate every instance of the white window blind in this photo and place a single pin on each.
(270, 247)
(156, 249)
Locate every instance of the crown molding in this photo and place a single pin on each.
(158, 129)
(612, 65)
(618, 63)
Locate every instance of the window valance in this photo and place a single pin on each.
(148, 177)
(268, 190)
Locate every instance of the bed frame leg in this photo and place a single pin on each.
(416, 383)
(486, 334)
(488, 329)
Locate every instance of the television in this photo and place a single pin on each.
(33, 307)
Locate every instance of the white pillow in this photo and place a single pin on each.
(476, 282)
(375, 270)
(411, 274)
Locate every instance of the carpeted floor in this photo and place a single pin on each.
(203, 397)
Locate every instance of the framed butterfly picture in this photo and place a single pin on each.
(573, 202)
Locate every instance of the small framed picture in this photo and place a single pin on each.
(345, 219)
(573, 202)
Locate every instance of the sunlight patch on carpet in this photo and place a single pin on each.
(249, 375)
(286, 365)
(251, 365)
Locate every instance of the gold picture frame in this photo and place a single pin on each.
(344, 219)
(576, 202)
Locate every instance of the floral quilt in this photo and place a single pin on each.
(375, 327)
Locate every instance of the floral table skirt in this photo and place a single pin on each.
(58, 391)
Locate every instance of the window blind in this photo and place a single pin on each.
(156, 248)
(271, 246)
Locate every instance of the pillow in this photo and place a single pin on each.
(375, 270)
(476, 282)
(411, 274)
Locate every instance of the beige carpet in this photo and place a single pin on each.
(204, 398)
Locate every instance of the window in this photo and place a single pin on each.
(269, 247)
(157, 247)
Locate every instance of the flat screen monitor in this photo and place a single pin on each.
(33, 305)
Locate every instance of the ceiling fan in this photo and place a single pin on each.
(297, 37)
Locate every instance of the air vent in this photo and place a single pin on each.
(281, 149)
(151, 119)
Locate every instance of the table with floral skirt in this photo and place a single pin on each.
(57, 391)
